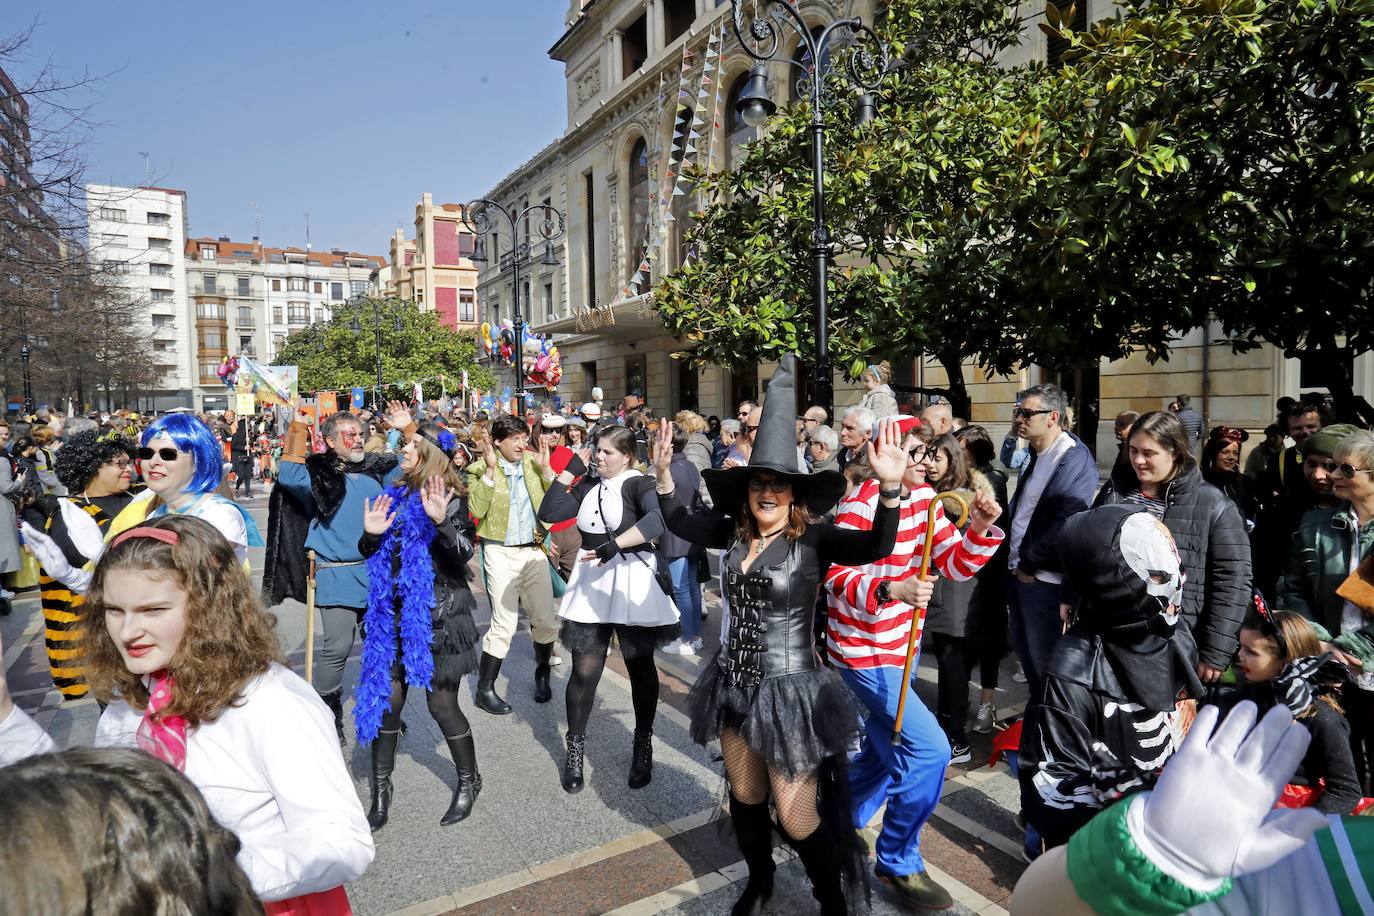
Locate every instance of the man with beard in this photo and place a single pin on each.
(329, 489)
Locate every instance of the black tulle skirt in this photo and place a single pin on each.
(635, 642)
(793, 721)
(455, 644)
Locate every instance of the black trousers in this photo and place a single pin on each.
(952, 659)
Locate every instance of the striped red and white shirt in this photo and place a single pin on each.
(860, 632)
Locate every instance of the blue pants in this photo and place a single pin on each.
(908, 776)
(1035, 627)
(687, 595)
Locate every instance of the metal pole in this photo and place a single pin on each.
(377, 317)
(518, 403)
(24, 359)
(823, 389)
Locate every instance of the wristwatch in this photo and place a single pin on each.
(882, 593)
(894, 493)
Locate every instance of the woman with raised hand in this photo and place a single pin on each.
(418, 629)
(613, 590)
(179, 647)
(784, 721)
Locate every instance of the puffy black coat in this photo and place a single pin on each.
(1215, 551)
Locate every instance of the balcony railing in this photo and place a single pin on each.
(200, 289)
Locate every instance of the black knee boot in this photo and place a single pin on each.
(754, 833)
(572, 766)
(543, 651)
(821, 859)
(469, 780)
(487, 699)
(642, 761)
(383, 762)
(335, 703)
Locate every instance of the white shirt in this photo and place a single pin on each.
(270, 770)
(1032, 488)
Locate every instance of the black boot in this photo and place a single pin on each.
(335, 703)
(572, 767)
(542, 653)
(821, 859)
(754, 833)
(469, 780)
(642, 763)
(487, 699)
(383, 762)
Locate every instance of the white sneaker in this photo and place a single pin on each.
(6, 594)
(1018, 675)
(982, 723)
(678, 647)
(696, 645)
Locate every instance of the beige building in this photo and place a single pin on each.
(435, 268)
(603, 173)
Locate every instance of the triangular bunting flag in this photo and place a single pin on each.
(637, 279)
(693, 134)
(701, 93)
(706, 81)
(691, 148)
(678, 192)
(669, 217)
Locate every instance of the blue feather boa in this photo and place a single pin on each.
(414, 591)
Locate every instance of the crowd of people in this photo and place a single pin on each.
(1182, 578)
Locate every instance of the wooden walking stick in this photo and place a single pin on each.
(310, 617)
(919, 614)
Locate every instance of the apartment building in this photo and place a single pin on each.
(435, 268)
(248, 299)
(139, 234)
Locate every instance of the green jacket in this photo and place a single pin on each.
(490, 503)
(1320, 562)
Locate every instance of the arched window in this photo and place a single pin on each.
(636, 228)
(737, 133)
(804, 55)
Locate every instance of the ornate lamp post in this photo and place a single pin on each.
(357, 328)
(867, 66)
(480, 216)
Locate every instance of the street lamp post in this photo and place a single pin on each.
(866, 68)
(377, 327)
(479, 216)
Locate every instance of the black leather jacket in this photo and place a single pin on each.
(771, 615)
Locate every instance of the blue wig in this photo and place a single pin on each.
(194, 438)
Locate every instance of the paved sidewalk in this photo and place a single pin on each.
(530, 848)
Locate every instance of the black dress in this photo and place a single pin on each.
(455, 639)
(766, 681)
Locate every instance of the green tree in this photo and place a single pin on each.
(332, 356)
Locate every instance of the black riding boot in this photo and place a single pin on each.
(754, 833)
(469, 780)
(642, 763)
(821, 859)
(542, 653)
(487, 699)
(335, 703)
(383, 762)
(572, 767)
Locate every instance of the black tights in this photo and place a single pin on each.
(586, 674)
(443, 706)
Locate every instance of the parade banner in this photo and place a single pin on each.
(271, 384)
(356, 396)
(328, 403)
(245, 405)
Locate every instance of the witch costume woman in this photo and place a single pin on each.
(783, 720)
(613, 589)
(418, 629)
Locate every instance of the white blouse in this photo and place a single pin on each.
(270, 770)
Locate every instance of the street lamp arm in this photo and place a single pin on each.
(762, 41)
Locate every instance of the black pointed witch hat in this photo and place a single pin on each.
(775, 451)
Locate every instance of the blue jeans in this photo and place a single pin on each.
(1035, 627)
(687, 595)
(907, 776)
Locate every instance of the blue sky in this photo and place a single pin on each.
(347, 110)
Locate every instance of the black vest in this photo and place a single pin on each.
(772, 610)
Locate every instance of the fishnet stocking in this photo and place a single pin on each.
(747, 772)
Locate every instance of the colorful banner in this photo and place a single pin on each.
(245, 404)
(271, 384)
(328, 403)
(356, 396)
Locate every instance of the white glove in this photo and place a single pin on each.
(1210, 816)
(53, 560)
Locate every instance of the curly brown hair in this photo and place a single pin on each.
(230, 639)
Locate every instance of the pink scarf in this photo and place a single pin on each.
(162, 736)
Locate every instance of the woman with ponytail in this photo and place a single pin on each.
(417, 539)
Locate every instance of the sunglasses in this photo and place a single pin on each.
(1349, 470)
(166, 454)
(1021, 413)
(776, 484)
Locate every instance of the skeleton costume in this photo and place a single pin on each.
(1108, 715)
(766, 683)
